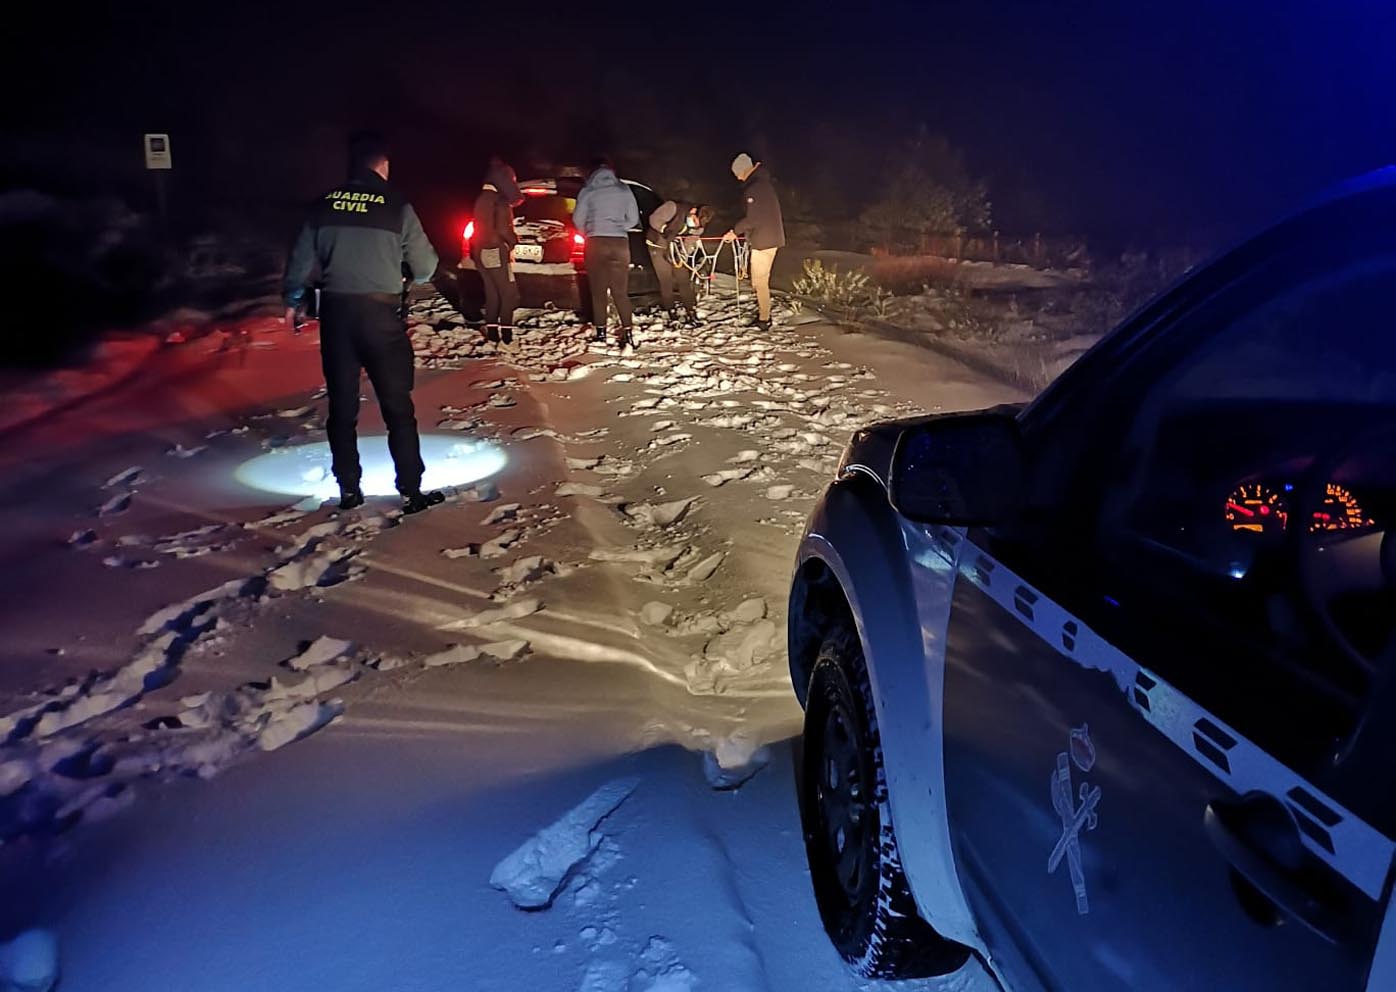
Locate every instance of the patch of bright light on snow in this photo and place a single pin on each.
(304, 470)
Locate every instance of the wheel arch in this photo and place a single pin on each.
(854, 567)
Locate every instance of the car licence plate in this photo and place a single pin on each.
(528, 253)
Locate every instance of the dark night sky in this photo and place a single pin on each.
(1131, 119)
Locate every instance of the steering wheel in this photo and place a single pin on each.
(1307, 548)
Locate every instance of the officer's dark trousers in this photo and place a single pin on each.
(365, 332)
(667, 275)
(608, 269)
(501, 291)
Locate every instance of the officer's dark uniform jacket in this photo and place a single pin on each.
(359, 235)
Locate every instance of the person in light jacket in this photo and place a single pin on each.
(763, 227)
(605, 214)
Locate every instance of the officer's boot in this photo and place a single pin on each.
(349, 498)
(419, 501)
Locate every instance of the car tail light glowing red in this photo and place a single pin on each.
(578, 239)
(534, 191)
(469, 230)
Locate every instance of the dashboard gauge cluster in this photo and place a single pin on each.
(1261, 508)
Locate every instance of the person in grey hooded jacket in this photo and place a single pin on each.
(605, 214)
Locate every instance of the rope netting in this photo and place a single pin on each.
(700, 257)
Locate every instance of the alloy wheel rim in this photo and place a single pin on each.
(842, 796)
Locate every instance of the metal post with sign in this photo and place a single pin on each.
(158, 161)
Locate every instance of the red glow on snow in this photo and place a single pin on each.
(535, 191)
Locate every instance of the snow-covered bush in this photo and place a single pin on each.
(831, 287)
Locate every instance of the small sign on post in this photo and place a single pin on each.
(157, 151)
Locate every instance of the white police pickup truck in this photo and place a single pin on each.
(1103, 690)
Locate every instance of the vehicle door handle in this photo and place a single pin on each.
(1260, 839)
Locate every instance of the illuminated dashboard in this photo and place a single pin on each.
(1262, 508)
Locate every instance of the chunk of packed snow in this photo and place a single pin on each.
(650, 515)
(534, 873)
(318, 652)
(526, 570)
(29, 962)
(126, 477)
(704, 570)
(655, 613)
(297, 722)
(578, 489)
(14, 775)
(82, 539)
(498, 546)
(119, 503)
(748, 611)
(501, 514)
(733, 761)
(511, 611)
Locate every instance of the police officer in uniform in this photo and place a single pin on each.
(360, 236)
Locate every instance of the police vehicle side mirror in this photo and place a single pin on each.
(960, 469)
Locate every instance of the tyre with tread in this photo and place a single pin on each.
(863, 896)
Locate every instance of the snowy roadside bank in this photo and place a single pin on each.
(388, 708)
(34, 396)
(1010, 373)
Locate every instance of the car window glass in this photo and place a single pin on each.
(646, 199)
(535, 209)
(1241, 539)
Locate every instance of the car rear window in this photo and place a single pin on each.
(543, 208)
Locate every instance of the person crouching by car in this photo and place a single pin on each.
(492, 249)
(674, 222)
(606, 212)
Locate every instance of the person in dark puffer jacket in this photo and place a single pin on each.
(360, 236)
(492, 248)
(763, 228)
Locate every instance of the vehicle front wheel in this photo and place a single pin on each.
(863, 896)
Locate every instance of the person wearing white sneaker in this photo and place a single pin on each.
(763, 227)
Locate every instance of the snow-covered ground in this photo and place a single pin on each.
(533, 739)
